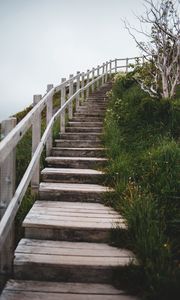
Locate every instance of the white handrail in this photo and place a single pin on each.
(13, 207)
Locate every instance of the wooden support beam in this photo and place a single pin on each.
(7, 189)
(63, 99)
(70, 107)
(127, 65)
(36, 137)
(82, 85)
(115, 65)
(49, 114)
(93, 85)
(87, 81)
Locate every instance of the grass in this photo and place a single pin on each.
(142, 136)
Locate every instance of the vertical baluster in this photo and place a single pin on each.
(36, 137)
(63, 99)
(82, 85)
(7, 189)
(77, 88)
(106, 68)
(115, 65)
(110, 68)
(70, 107)
(98, 82)
(127, 65)
(92, 87)
(103, 72)
(87, 81)
(49, 114)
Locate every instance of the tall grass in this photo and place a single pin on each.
(141, 135)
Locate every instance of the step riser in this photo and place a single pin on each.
(32, 271)
(72, 178)
(77, 164)
(91, 110)
(78, 144)
(87, 119)
(71, 196)
(83, 129)
(70, 235)
(82, 136)
(100, 116)
(86, 124)
(78, 153)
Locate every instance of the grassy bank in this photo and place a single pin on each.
(141, 135)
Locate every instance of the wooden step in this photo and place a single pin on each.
(94, 104)
(91, 109)
(85, 124)
(72, 192)
(77, 152)
(96, 136)
(68, 261)
(100, 116)
(78, 143)
(76, 162)
(36, 290)
(88, 130)
(76, 221)
(72, 175)
(82, 118)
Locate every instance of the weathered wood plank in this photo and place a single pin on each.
(64, 287)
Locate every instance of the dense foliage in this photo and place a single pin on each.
(141, 135)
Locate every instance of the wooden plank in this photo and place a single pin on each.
(78, 205)
(66, 224)
(36, 137)
(63, 244)
(74, 214)
(38, 249)
(71, 170)
(28, 295)
(7, 189)
(74, 187)
(64, 287)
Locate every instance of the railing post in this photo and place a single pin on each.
(115, 65)
(110, 68)
(103, 71)
(36, 137)
(127, 65)
(87, 81)
(92, 87)
(49, 114)
(77, 88)
(143, 59)
(106, 75)
(82, 85)
(7, 189)
(70, 107)
(63, 99)
(98, 82)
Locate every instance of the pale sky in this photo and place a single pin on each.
(42, 41)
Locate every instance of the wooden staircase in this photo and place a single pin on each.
(66, 253)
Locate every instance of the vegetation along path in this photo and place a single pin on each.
(66, 252)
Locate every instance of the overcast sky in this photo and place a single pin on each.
(44, 40)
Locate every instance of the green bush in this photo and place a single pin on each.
(141, 135)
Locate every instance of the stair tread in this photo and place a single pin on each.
(71, 171)
(73, 187)
(75, 158)
(78, 148)
(70, 254)
(28, 289)
(55, 216)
